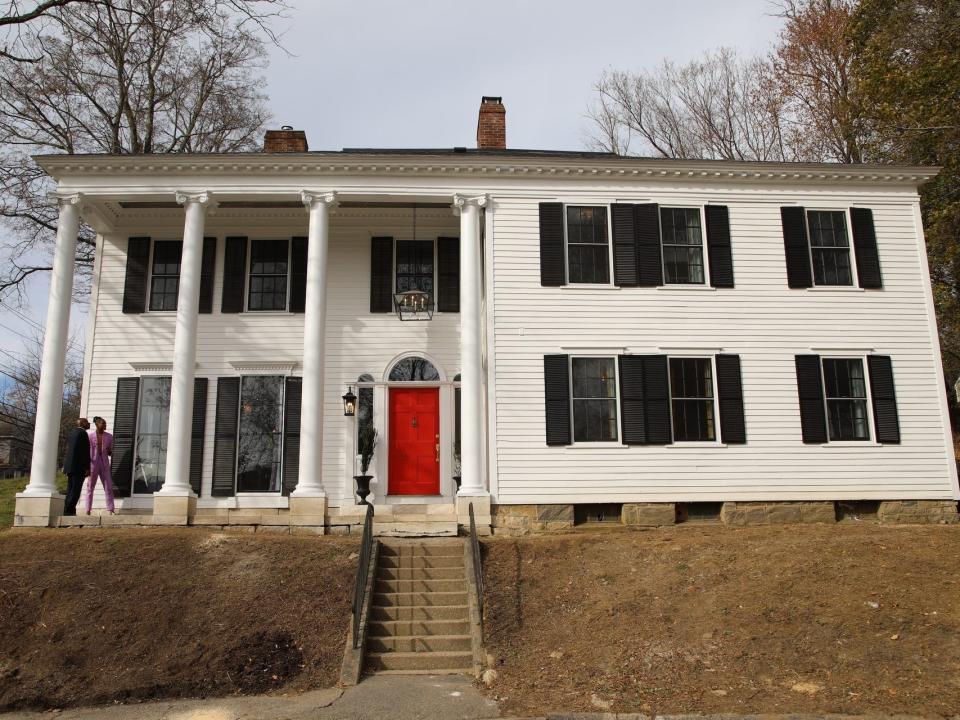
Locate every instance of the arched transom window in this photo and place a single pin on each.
(413, 369)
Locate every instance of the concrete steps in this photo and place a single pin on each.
(419, 616)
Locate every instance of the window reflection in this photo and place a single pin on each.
(261, 433)
(414, 369)
(150, 461)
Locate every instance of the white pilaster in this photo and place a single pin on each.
(472, 412)
(46, 431)
(176, 484)
(310, 482)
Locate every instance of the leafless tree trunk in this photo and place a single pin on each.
(123, 76)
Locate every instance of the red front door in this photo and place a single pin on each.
(414, 441)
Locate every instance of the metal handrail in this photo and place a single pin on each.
(363, 570)
(477, 569)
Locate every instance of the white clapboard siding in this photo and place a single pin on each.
(760, 319)
(357, 342)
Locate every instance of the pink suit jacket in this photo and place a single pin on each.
(107, 445)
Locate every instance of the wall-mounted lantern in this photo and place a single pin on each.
(349, 402)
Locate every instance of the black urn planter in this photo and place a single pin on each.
(457, 479)
(363, 487)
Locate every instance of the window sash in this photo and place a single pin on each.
(269, 270)
(165, 274)
(692, 400)
(153, 417)
(845, 394)
(829, 247)
(588, 244)
(260, 434)
(681, 237)
(415, 269)
(594, 399)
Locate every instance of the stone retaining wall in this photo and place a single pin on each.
(776, 513)
(924, 512)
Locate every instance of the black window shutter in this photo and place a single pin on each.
(646, 224)
(884, 397)
(813, 415)
(553, 266)
(556, 387)
(796, 246)
(135, 282)
(633, 402)
(225, 437)
(865, 247)
(124, 435)
(234, 274)
(207, 266)
(298, 275)
(624, 246)
(733, 429)
(448, 274)
(381, 274)
(291, 433)
(718, 246)
(198, 432)
(656, 390)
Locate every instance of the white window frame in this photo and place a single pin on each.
(249, 266)
(283, 431)
(716, 401)
(566, 246)
(707, 280)
(136, 434)
(616, 442)
(854, 278)
(153, 245)
(436, 274)
(862, 357)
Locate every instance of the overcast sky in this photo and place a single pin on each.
(411, 74)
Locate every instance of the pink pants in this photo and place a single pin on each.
(100, 468)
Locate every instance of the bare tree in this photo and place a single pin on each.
(125, 76)
(719, 106)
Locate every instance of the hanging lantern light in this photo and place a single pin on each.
(349, 402)
(414, 304)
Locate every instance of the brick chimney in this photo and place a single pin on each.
(285, 140)
(492, 124)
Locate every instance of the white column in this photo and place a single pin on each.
(471, 349)
(46, 431)
(177, 480)
(310, 482)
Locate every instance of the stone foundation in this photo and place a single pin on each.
(524, 519)
(918, 512)
(648, 514)
(777, 513)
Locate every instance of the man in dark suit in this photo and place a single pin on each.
(76, 464)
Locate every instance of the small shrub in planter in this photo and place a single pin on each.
(367, 447)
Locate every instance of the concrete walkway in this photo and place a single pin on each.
(398, 697)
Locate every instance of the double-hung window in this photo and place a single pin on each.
(829, 247)
(415, 266)
(681, 233)
(165, 274)
(692, 399)
(594, 386)
(150, 459)
(269, 263)
(260, 437)
(845, 388)
(588, 245)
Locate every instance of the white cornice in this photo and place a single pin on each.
(269, 367)
(334, 165)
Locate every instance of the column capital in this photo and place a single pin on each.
(204, 199)
(61, 199)
(311, 198)
(460, 201)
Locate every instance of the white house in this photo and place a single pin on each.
(609, 335)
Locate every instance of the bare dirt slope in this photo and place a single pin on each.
(95, 616)
(838, 619)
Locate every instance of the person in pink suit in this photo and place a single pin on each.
(101, 449)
